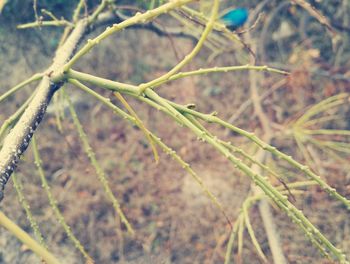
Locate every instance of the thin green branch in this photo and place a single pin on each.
(138, 18)
(25, 205)
(251, 159)
(35, 77)
(210, 118)
(309, 160)
(252, 137)
(322, 106)
(35, 8)
(53, 202)
(232, 238)
(332, 132)
(240, 240)
(100, 173)
(175, 111)
(53, 23)
(227, 69)
(27, 240)
(140, 125)
(216, 70)
(98, 11)
(132, 89)
(281, 200)
(105, 83)
(157, 140)
(234, 149)
(298, 184)
(208, 28)
(14, 117)
(331, 152)
(252, 234)
(243, 216)
(338, 146)
(194, 175)
(50, 14)
(77, 11)
(323, 119)
(75, 19)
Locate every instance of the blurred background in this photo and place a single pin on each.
(174, 221)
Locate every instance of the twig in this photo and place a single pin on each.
(190, 56)
(55, 23)
(140, 124)
(35, 77)
(151, 14)
(158, 141)
(27, 240)
(25, 205)
(53, 203)
(99, 171)
(50, 14)
(210, 118)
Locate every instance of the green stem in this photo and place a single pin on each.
(158, 141)
(77, 10)
(176, 111)
(105, 83)
(332, 132)
(281, 200)
(53, 202)
(213, 119)
(15, 116)
(35, 77)
(27, 240)
(100, 173)
(53, 23)
(227, 69)
(34, 225)
(188, 57)
(98, 10)
(252, 234)
(232, 238)
(138, 18)
(132, 90)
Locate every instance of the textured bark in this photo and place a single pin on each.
(17, 141)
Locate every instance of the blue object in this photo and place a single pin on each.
(235, 18)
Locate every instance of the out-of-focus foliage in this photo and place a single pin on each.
(23, 11)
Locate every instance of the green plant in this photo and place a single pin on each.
(27, 118)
